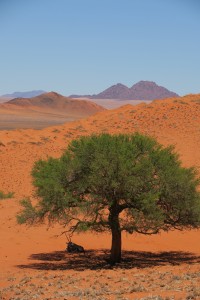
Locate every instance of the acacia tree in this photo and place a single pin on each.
(116, 183)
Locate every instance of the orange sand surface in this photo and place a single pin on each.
(33, 263)
(43, 111)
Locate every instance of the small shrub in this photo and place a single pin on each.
(196, 101)
(45, 139)
(6, 196)
(182, 102)
(56, 130)
(35, 143)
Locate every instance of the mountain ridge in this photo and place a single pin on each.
(142, 90)
(28, 94)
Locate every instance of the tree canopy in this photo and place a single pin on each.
(115, 183)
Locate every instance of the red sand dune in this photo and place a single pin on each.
(56, 102)
(4, 99)
(44, 110)
(171, 121)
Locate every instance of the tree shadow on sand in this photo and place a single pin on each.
(98, 259)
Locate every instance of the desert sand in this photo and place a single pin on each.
(4, 99)
(52, 109)
(115, 103)
(43, 111)
(33, 261)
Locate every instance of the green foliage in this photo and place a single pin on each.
(130, 177)
(6, 196)
(29, 213)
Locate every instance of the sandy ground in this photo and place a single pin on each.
(116, 103)
(43, 111)
(33, 263)
(10, 119)
(37, 118)
(4, 99)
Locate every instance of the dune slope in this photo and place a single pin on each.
(31, 251)
(44, 110)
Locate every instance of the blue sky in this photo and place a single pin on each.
(84, 46)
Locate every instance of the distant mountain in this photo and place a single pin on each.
(149, 90)
(143, 90)
(28, 94)
(118, 91)
(55, 102)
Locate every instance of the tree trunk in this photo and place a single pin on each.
(115, 254)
